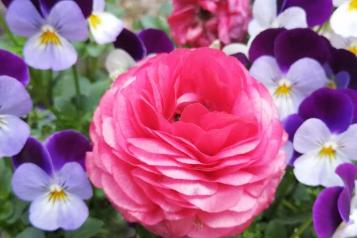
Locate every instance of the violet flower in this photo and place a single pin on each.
(51, 176)
(335, 209)
(15, 102)
(50, 31)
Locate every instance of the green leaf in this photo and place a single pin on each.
(275, 229)
(31, 233)
(89, 229)
(5, 180)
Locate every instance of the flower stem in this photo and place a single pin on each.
(7, 30)
(50, 88)
(302, 228)
(78, 89)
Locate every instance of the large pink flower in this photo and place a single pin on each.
(200, 22)
(188, 144)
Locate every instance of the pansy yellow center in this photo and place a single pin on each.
(49, 36)
(353, 49)
(328, 151)
(283, 89)
(57, 193)
(331, 84)
(94, 20)
(353, 5)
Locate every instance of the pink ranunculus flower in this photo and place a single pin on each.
(188, 144)
(199, 22)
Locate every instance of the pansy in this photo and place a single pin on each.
(344, 19)
(51, 176)
(15, 102)
(266, 15)
(291, 87)
(105, 27)
(335, 209)
(50, 32)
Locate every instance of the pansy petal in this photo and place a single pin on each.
(326, 217)
(352, 94)
(343, 20)
(263, 44)
(345, 61)
(331, 106)
(13, 66)
(105, 27)
(317, 11)
(300, 43)
(156, 41)
(51, 56)
(131, 43)
(49, 215)
(34, 152)
(310, 135)
(86, 6)
(23, 18)
(291, 124)
(348, 173)
(254, 28)
(74, 178)
(14, 99)
(29, 182)
(293, 17)
(13, 135)
(63, 15)
(266, 70)
(347, 141)
(67, 146)
(98, 5)
(118, 62)
(307, 75)
(265, 11)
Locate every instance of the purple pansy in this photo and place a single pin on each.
(51, 176)
(335, 210)
(317, 11)
(50, 32)
(146, 42)
(15, 102)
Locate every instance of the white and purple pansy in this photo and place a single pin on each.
(51, 26)
(335, 209)
(323, 133)
(344, 19)
(15, 102)
(290, 74)
(51, 176)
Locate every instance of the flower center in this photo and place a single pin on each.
(283, 89)
(352, 49)
(353, 5)
(49, 36)
(94, 20)
(331, 84)
(204, 15)
(328, 151)
(57, 193)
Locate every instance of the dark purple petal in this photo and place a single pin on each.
(325, 213)
(156, 41)
(293, 158)
(263, 44)
(348, 173)
(299, 43)
(317, 11)
(243, 59)
(34, 152)
(353, 96)
(13, 66)
(131, 43)
(331, 106)
(67, 146)
(85, 5)
(291, 124)
(344, 61)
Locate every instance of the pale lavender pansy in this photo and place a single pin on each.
(50, 32)
(51, 176)
(15, 102)
(335, 209)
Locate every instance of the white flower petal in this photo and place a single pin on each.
(107, 27)
(291, 18)
(311, 136)
(287, 104)
(118, 62)
(266, 70)
(235, 48)
(254, 28)
(344, 21)
(347, 142)
(265, 11)
(98, 5)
